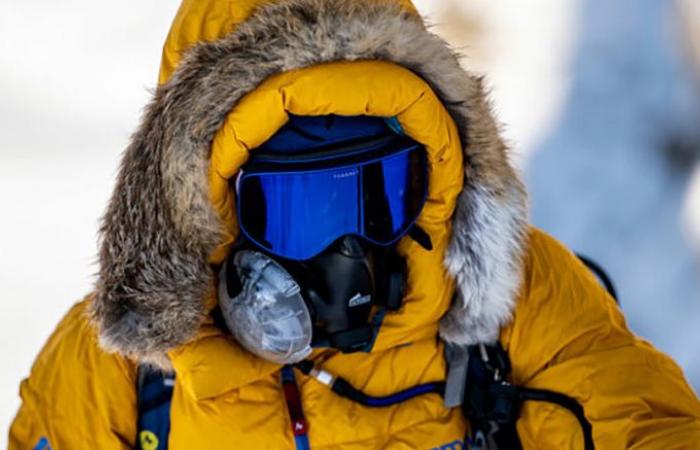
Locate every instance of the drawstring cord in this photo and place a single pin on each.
(343, 388)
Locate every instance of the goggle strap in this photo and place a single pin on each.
(421, 237)
(390, 271)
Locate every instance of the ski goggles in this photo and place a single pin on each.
(295, 206)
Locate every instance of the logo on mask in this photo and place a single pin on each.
(345, 174)
(358, 300)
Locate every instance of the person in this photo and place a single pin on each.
(315, 240)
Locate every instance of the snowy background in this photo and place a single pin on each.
(599, 99)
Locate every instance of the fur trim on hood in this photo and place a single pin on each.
(160, 227)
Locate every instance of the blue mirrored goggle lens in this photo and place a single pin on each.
(393, 194)
(298, 215)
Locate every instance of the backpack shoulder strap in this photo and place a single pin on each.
(492, 404)
(155, 391)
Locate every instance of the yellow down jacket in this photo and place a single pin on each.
(231, 73)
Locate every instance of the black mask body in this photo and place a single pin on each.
(342, 287)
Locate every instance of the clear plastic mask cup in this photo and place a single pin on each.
(268, 317)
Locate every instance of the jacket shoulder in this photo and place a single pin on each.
(563, 303)
(77, 395)
(569, 336)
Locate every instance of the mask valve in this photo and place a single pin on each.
(268, 316)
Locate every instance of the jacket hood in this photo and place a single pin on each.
(161, 229)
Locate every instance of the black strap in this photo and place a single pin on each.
(602, 275)
(421, 237)
(390, 277)
(567, 402)
(492, 405)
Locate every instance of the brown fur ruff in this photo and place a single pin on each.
(160, 227)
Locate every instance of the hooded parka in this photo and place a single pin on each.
(232, 72)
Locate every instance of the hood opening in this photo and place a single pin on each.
(171, 215)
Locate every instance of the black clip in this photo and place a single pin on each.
(504, 403)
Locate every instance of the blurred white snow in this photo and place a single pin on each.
(612, 176)
(595, 95)
(74, 76)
